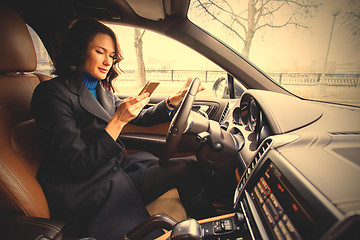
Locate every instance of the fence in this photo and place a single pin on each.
(175, 75)
(352, 80)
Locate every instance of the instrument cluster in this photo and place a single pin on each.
(250, 115)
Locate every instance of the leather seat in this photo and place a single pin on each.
(20, 157)
(20, 193)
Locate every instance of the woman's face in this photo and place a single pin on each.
(100, 56)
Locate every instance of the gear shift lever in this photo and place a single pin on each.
(157, 221)
(188, 229)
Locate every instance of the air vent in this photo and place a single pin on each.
(225, 112)
(262, 150)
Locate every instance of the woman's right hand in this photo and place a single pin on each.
(127, 111)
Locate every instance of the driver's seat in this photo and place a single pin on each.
(24, 213)
(20, 193)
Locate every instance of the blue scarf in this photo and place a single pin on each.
(90, 82)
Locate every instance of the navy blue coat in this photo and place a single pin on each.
(87, 180)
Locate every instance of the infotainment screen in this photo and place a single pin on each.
(284, 213)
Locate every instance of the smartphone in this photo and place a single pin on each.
(149, 87)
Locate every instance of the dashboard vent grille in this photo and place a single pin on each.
(225, 112)
(262, 150)
(345, 133)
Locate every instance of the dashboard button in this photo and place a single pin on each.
(283, 229)
(278, 233)
(261, 201)
(272, 209)
(217, 227)
(228, 225)
(261, 189)
(265, 186)
(268, 215)
(276, 204)
(290, 227)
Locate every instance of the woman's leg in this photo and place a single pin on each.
(183, 175)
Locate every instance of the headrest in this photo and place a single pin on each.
(17, 52)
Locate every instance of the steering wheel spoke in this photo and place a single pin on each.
(179, 122)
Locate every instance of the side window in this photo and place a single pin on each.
(164, 60)
(44, 63)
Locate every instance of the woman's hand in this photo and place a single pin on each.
(127, 111)
(178, 96)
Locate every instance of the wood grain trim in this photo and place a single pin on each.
(161, 128)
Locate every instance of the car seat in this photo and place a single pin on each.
(24, 213)
(20, 193)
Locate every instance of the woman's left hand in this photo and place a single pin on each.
(178, 96)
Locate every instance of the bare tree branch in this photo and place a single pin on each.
(283, 25)
(221, 22)
(308, 4)
(260, 14)
(142, 34)
(236, 17)
(352, 19)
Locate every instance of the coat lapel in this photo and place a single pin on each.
(89, 102)
(106, 100)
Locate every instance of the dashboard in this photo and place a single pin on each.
(299, 168)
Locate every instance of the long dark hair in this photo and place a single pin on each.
(70, 60)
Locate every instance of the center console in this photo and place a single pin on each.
(285, 215)
(273, 201)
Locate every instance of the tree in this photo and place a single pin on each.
(352, 18)
(140, 72)
(258, 15)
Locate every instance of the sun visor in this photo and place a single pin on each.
(151, 9)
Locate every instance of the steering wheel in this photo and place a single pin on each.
(179, 122)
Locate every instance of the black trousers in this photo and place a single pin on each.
(183, 174)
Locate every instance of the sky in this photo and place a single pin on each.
(307, 46)
(285, 49)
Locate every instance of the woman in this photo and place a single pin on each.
(88, 181)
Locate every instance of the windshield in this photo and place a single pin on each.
(309, 47)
